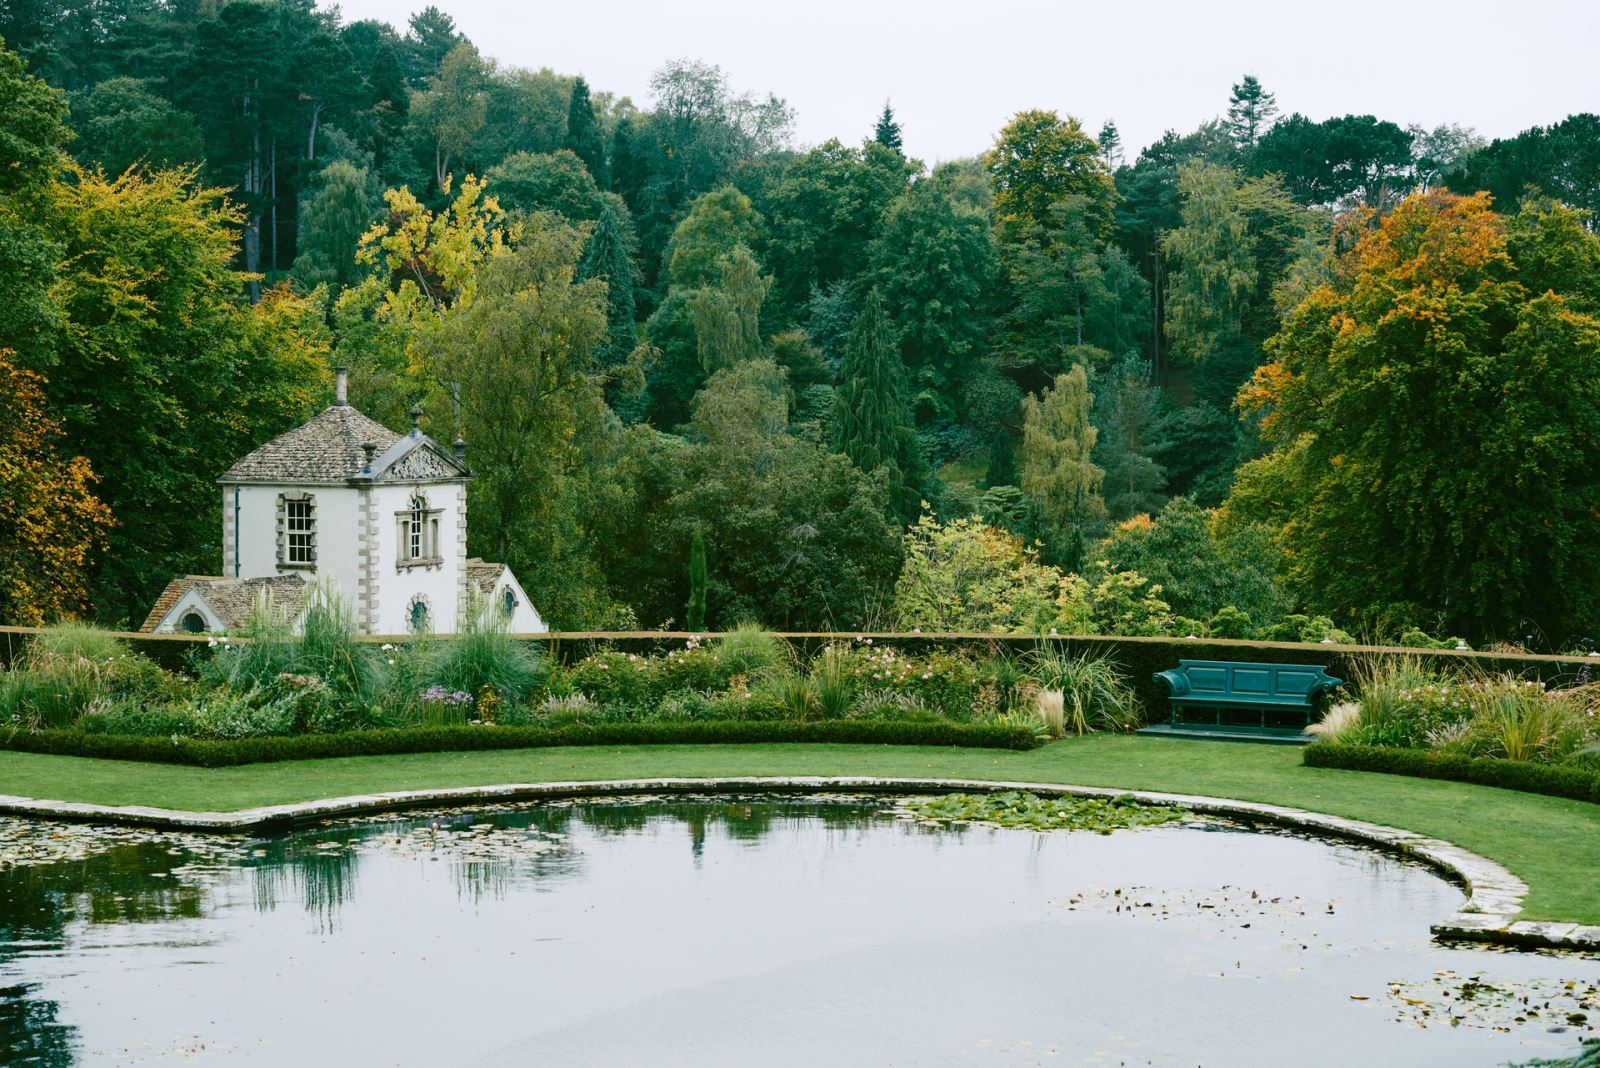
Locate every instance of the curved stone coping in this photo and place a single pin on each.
(1495, 895)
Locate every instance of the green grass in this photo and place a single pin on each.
(1552, 844)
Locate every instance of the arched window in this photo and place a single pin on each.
(193, 623)
(508, 602)
(417, 615)
(418, 528)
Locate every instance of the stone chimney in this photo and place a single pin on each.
(341, 386)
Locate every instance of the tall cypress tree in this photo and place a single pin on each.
(583, 133)
(694, 617)
(1002, 460)
(874, 424)
(609, 256)
(887, 133)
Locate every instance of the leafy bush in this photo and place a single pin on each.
(224, 714)
(1573, 782)
(137, 719)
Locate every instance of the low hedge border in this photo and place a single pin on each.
(1575, 784)
(217, 754)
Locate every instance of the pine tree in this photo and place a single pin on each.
(887, 133)
(1251, 110)
(694, 617)
(608, 257)
(1129, 422)
(1057, 442)
(583, 133)
(1110, 145)
(874, 425)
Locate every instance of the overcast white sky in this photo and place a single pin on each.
(957, 70)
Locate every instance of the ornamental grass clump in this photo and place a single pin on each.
(831, 682)
(749, 648)
(1095, 695)
(1520, 719)
(70, 670)
(483, 654)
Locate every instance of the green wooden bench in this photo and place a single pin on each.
(1224, 686)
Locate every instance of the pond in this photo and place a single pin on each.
(742, 931)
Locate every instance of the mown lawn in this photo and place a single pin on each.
(1554, 845)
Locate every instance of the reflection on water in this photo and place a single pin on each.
(716, 931)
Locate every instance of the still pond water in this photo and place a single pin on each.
(714, 932)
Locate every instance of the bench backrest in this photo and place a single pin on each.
(1234, 680)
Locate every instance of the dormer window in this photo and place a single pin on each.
(297, 530)
(419, 533)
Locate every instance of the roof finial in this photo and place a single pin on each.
(416, 419)
(370, 448)
(341, 384)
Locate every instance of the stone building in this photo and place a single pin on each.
(380, 517)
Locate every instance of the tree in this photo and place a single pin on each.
(1002, 470)
(453, 108)
(1251, 110)
(694, 616)
(430, 37)
(887, 132)
(873, 425)
(1353, 156)
(1435, 426)
(1561, 161)
(162, 375)
(966, 576)
(332, 223)
(609, 257)
(727, 316)
(1110, 145)
(522, 355)
(1198, 572)
(1441, 150)
(120, 123)
(933, 265)
(51, 524)
(1038, 160)
(822, 215)
(557, 181)
(33, 130)
(1128, 420)
(584, 138)
(1058, 472)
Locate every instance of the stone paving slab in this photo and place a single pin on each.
(1490, 913)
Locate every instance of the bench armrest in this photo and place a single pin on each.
(1177, 681)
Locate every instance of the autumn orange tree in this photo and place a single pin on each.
(1435, 416)
(51, 523)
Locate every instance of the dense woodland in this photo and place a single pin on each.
(1278, 376)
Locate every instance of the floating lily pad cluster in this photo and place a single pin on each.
(1453, 1000)
(1026, 811)
(30, 843)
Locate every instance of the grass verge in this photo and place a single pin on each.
(1553, 844)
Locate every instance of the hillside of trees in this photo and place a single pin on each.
(1277, 376)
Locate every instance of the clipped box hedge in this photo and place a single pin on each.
(1573, 783)
(216, 754)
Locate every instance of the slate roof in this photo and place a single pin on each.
(482, 576)
(231, 599)
(327, 449)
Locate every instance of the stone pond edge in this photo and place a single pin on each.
(1489, 915)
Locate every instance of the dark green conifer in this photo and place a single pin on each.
(887, 133)
(874, 425)
(583, 133)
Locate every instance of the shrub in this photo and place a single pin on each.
(76, 641)
(70, 670)
(225, 714)
(211, 753)
(1520, 720)
(1573, 782)
(1230, 622)
(891, 705)
(137, 719)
